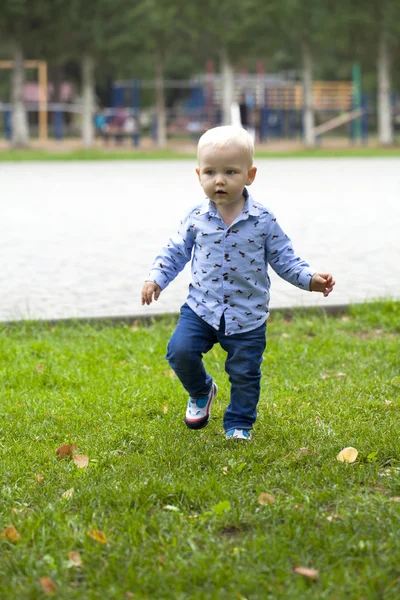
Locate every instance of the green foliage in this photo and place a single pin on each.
(180, 509)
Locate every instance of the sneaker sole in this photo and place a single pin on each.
(200, 423)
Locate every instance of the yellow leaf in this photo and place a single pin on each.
(98, 536)
(265, 499)
(48, 586)
(39, 368)
(165, 409)
(75, 558)
(39, 478)
(306, 572)
(81, 460)
(388, 402)
(68, 493)
(348, 455)
(10, 534)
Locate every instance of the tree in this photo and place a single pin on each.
(160, 29)
(309, 26)
(373, 34)
(20, 21)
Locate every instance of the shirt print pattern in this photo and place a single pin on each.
(230, 264)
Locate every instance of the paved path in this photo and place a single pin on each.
(77, 239)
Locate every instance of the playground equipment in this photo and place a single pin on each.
(41, 66)
(274, 102)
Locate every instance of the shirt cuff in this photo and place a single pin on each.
(158, 278)
(305, 277)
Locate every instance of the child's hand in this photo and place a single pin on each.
(148, 290)
(322, 282)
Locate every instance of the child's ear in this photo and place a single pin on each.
(251, 175)
(198, 173)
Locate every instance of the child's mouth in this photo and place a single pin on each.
(220, 192)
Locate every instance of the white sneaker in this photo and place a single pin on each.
(238, 434)
(198, 409)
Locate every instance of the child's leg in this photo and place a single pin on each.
(245, 354)
(192, 338)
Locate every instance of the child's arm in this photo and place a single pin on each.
(282, 258)
(169, 263)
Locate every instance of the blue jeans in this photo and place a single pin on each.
(193, 337)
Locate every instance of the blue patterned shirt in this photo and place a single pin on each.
(230, 264)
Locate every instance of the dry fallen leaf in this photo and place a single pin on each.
(75, 558)
(169, 373)
(395, 499)
(165, 409)
(348, 455)
(81, 460)
(306, 572)
(388, 402)
(265, 499)
(129, 595)
(98, 536)
(39, 368)
(327, 376)
(225, 470)
(10, 534)
(39, 478)
(332, 518)
(66, 450)
(68, 493)
(48, 586)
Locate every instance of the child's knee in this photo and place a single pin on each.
(178, 353)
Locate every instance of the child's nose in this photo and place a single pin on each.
(220, 179)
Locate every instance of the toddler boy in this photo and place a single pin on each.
(230, 240)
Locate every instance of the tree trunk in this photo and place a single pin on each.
(20, 133)
(160, 101)
(88, 96)
(385, 121)
(308, 101)
(227, 88)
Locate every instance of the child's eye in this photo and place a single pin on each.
(230, 172)
(209, 172)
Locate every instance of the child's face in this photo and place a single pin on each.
(223, 173)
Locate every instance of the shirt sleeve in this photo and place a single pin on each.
(282, 258)
(174, 256)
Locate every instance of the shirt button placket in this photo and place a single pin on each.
(225, 267)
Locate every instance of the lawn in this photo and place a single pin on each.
(169, 154)
(161, 512)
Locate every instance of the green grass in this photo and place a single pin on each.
(100, 154)
(180, 508)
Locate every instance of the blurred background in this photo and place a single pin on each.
(146, 72)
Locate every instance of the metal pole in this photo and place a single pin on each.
(356, 77)
(42, 78)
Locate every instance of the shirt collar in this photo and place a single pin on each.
(209, 207)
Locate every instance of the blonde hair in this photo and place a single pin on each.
(227, 135)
